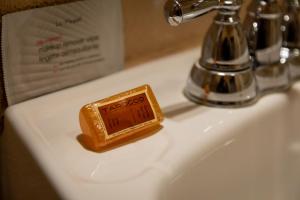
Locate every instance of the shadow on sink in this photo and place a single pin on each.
(183, 111)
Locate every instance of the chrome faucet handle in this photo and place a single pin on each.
(291, 37)
(294, 3)
(223, 75)
(263, 31)
(180, 11)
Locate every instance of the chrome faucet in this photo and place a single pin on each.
(223, 76)
(263, 31)
(291, 37)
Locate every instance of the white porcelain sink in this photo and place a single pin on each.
(251, 153)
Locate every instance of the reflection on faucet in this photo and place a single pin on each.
(237, 66)
(180, 11)
(291, 37)
(223, 75)
(263, 31)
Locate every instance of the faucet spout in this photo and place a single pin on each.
(180, 11)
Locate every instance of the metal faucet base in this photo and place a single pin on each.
(221, 89)
(294, 65)
(272, 77)
(292, 57)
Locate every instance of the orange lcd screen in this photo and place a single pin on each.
(126, 113)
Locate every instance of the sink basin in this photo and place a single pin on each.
(249, 153)
(252, 156)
